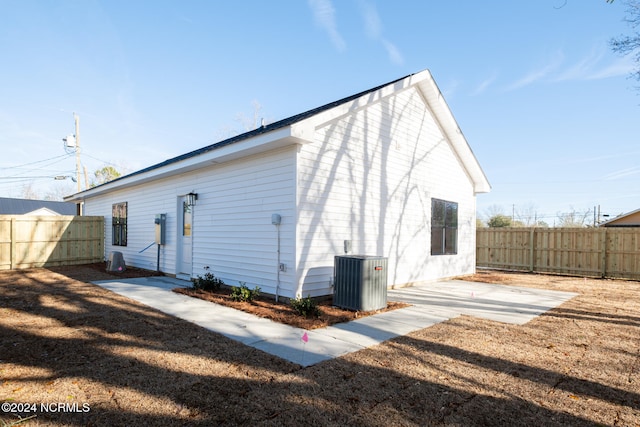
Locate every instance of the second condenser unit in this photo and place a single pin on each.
(360, 282)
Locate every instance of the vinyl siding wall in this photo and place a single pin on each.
(369, 177)
(232, 230)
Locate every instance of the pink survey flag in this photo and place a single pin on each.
(305, 337)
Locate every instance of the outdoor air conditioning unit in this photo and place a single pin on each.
(360, 282)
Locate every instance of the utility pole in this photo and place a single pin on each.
(86, 177)
(77, 123)
(601, 215)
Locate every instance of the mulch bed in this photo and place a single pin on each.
(264, 306)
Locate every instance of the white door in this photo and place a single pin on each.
(185, 240)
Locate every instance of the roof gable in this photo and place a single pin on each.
(630, 219)
(42, 212)
(300, 128)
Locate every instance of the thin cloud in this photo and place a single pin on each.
(325, 17)
(621, 67)
(592, 68)
(538, 74)
(623, 173)
(484, 85)
(372, 23)
(394, 54)
(450, 89)
(583, 68)
(373, 30)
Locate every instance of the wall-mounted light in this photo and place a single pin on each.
(191, 198)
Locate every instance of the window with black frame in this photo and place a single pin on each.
(119, 224)
(444, 227)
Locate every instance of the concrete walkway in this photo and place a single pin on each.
(431, 304)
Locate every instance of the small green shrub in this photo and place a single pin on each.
(243, 293)
(305, 306)
(208, 282)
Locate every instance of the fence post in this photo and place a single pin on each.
(532, 249)
(603, 252)
(13, 244)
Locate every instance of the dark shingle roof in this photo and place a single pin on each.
(261, 130)
(9, 206)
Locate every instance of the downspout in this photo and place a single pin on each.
(278, 265)
(276, 220)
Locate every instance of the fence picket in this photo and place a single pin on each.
(45, 241)
(593, 252)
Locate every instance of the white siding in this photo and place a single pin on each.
(369, 177)
(232, 230)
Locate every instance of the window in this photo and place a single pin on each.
(444, 227)
(119, 224)
(186, 219)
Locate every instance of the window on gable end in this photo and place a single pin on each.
(444, 227)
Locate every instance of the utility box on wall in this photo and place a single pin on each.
(360, 282)
(161, 226)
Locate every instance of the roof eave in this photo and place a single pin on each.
(278, 138)
(442, 113)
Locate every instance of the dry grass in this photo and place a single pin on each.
(66, 341)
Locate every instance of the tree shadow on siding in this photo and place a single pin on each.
(353, 172)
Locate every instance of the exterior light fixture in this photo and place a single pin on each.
(191, 198)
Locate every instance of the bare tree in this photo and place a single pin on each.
(246, 122)
(250, 123)
(527, 215)
(28, 192)
(57, 193)
(574, 218)
(492, 211)
(630, 44)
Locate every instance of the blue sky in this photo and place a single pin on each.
(545, 105)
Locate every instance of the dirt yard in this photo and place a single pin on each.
(75, 354)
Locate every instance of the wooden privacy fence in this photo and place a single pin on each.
(594, 252)
(44, 241)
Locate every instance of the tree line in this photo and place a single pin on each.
(495, 216)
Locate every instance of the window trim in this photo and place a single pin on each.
(119, 228)
(446, 230)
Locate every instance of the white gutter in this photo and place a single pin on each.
(278, 138)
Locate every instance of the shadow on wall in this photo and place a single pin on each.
(366, 184)
(318, 281)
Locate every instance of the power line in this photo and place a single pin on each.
(25, 178)
(36, 162)
(100, 160)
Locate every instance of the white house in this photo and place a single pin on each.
(386, 170)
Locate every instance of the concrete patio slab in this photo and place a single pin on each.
(430, 304)
(508, 304)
